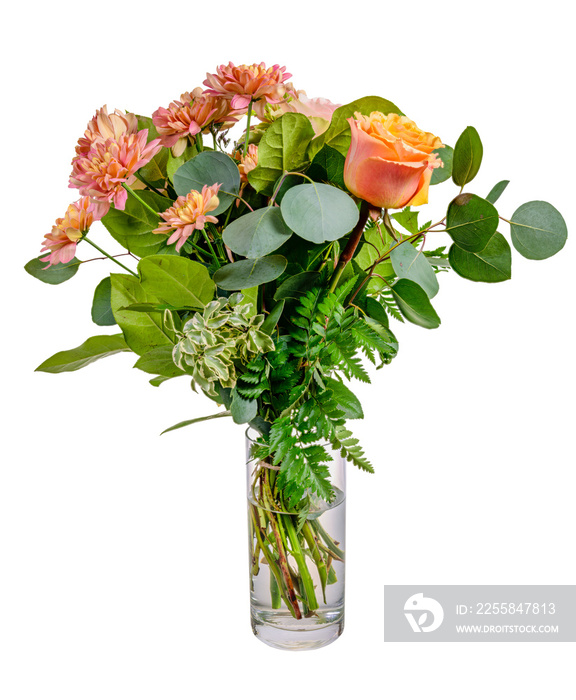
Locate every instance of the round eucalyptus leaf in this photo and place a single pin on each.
(471, 222)
(318, 212)
(250, 273)
(410, 263)
(538, 230)
(258, 233)
(55, 274)
(493, 264)
(209, 168)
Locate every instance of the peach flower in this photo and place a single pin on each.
(243, 84)
(318, 109)
(67, 231)
(188, 214)
(111, 163)
(247, 162)
(390, 160)
(190, 115)
(106, 126)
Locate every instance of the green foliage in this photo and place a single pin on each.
(55, 274)
(209, 168)
(250, 273)
(493, 264)
(258, 233)
(102, 304)
(471, 222)
(93, 349)
(467, 157)
(318, 212)
(538, 230)
(444, 173)
(496, 191)
(178, 281)
(414, 304)
(409, 263)
(282, 149)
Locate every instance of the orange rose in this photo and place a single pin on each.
(390, 160)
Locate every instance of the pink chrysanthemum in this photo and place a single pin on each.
(247, 162)
(188, 214)
(111, 163)
(67, 231)
(106, 126)
(242, 84)
(189, 116)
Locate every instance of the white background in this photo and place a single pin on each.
(123, 554)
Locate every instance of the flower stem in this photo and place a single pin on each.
(249, 115)
(110, 257)
(142, 202)
(350, 249)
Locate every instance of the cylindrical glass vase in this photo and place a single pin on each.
(296, 559)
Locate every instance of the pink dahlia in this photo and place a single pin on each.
(189, 116)
(111, 163)
(243, 84)
(106, 126)
(188, 214)
(67, 231)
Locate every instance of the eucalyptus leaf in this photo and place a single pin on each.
(467, 157)
(101, 305)
(414, 304)
(410, 263)
(319, 212)
(282, 149)
(538, 230)
(376, 311)
(209, 168)
(471, 222)
(95, 348)
(493, 264)
(178, 281)
(496, 191)
(250, 273)
(55, 274)
(295, 286)
(446, 155)
(258, 233)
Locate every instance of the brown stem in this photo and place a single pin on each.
(353, 241)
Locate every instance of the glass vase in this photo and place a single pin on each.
(296, 559)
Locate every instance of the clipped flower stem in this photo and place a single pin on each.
(248, 116)
(353, 241)
(110, 257)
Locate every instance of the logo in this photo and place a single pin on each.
(423, 614)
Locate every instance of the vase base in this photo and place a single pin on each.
(281, 631)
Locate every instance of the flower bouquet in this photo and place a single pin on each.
(266, 268)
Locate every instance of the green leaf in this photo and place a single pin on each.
(467, 157)
(209, 168)
(493, 264)
(346, 400)
(175, 162)
(272, 319)
(250, 273)
(408, 262)
(338, 134)
(374, 247)
(328, 165)
(471, 222)
(155, 171)
(497, 190)
(243, 410)
(101, 305)
(446, 155)
(295, 286)
(258, 233)
(282, 149)
(376, 311)
(414, 304)
(184, 423)
(538, 230)
(408, 219)
(159, 361)
(93, 349)
(178, 281)
(143, 331)
(251, 297)
(55, 274)
(318, 212)
(133, 226)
